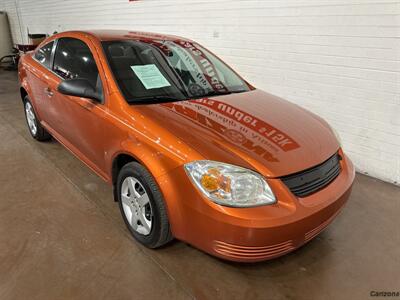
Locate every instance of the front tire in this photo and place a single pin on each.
(34, 126)
(142, 206)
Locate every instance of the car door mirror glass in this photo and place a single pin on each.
(40, 57)
(79, 87)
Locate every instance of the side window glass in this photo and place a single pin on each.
(43, 54)
(73, 59)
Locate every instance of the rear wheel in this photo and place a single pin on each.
(34, 126)
(142, 206)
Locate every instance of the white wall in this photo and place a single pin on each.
(338, 58)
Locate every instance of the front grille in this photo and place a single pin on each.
(311, 180)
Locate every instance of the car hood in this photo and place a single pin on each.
(253, 129)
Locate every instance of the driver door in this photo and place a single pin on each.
(80, 119)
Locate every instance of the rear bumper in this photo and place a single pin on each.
(253, 234)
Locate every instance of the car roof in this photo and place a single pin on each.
(112, 35)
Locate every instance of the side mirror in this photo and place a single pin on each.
(79, 87)
(40, 57)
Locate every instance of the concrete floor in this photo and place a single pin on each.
(62, 237)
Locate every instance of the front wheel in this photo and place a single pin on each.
(142, 206)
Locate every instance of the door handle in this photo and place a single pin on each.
(48, 92)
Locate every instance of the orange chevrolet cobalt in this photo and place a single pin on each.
(192, 150)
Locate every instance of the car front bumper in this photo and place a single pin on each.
(256, 233)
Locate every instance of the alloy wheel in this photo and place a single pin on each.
(136, 205)
(30, 117)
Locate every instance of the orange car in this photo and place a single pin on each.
(192, 150)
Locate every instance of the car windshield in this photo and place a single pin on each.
(159, 71)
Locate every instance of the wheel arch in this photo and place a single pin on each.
(120, 160)
(23, 92)
(154, 160)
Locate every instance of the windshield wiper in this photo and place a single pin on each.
(165, 98)
(217, 93)
(156, 99)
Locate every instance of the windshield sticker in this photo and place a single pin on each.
(150, 76)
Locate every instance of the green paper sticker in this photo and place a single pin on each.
(150, 76)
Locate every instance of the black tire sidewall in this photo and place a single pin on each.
(136, 171)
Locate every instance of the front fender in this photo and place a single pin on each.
(160, 160)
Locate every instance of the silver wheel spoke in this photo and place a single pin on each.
(131, 185)
(134, 220)
(127, 212)
(144, 221)
(125, 200)
(31, 115)
(143, 200)
(136, 194)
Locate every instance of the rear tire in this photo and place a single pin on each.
(142, 206)
(34, 126)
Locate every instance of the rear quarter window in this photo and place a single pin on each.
(43, 54)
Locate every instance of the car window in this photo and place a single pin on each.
(195, 65)
(73, 59)
(43, 54)
(141, 72)
(171, 70)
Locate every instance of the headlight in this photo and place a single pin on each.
(336, 135)
(230, 185)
